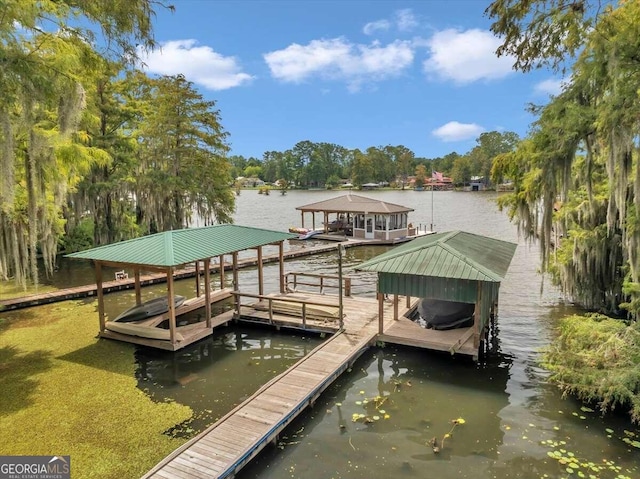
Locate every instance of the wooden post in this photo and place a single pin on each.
(260, 272)
(302, 218)
(198, 279)
(326, 222)
(235, 281)
(221, 271)
(313, 220)
(380, 313)
(100, 295)
(172, 306)
(281, 263)
(477, 320)
(136, 273)
(207, 290)
(395, 307)
(408, 301)
(340, 287)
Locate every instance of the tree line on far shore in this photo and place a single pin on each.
(323, 165)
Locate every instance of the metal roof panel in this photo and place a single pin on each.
(173, 248)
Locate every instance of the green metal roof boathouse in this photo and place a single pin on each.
(454, 266)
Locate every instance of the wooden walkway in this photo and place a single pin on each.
(230, 443)
(148, 279)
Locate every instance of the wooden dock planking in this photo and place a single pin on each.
(274, 406)
(408, 333)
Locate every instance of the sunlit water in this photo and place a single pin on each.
(514, 419)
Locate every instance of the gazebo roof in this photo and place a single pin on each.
(354, 204)
(455, 255)
(177, 247)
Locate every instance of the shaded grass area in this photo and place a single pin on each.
(10, 290)
(62, 391)
(597, 359)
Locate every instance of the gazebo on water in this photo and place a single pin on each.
(361, 217)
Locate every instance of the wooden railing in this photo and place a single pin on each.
(303, 303)
(294, 279)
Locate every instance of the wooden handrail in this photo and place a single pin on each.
(270, 299)
(321, 284)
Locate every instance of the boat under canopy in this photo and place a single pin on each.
(149, 309)
(440, 314)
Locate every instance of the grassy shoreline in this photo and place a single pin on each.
(64, 392)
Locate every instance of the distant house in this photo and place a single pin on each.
(442, 183)
(476, 184)
(250, 182)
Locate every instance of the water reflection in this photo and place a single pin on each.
(411, 398)
(219, 372)
(421, 393)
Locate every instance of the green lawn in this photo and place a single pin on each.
(10, 290)
(63, 392)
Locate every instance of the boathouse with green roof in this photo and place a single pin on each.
(165, 253)
(454, 266)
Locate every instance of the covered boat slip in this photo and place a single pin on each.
(163, 253)
(454, 266)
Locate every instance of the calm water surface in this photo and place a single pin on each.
(513, 418)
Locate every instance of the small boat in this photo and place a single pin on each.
(300, 231)
(149, 309)
(442, 315)
(309, 234)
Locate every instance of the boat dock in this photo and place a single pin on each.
(189, 272)
(154, 278)
(226, 446)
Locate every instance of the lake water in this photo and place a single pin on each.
(514, 420)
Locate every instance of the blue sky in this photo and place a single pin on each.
(356, 73)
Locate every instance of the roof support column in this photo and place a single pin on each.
(172, 306)
(235, 281)
(302, 218)
(380, 313)
(136, 273)
(313, 220)
(100, 295)
(207, 290)
(198, 278)
(281, 264)
(408, 301)
(221, 271)
(477, 319)
(395, 306)
(260, 272)
(326, 222)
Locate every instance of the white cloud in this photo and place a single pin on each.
(466, 56)
(456, 131)
(372, 27)
(339, 59)
(406, 20)
(549, 87)
(198, 63)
